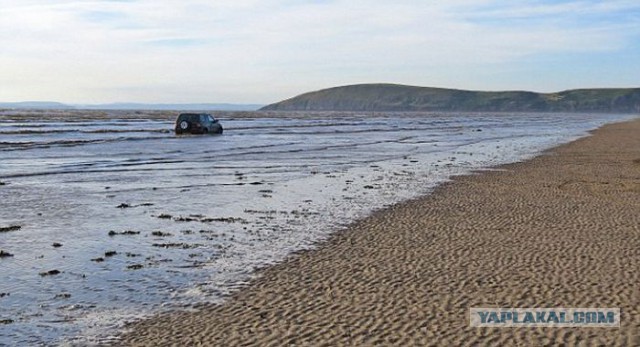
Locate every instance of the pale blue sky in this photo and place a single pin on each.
(250, 51)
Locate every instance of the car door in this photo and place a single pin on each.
(204, 121)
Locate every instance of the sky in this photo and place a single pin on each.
(263, 51)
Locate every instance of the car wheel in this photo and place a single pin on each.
(205, 130)
(184, 125)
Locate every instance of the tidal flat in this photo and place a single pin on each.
(108, 217)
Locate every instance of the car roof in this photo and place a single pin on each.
(194, 114)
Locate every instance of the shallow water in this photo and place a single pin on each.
(147, 221)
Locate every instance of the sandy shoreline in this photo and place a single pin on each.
(561, 230)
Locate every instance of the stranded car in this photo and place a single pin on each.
(197, 123)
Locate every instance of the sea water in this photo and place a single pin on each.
(119, 218)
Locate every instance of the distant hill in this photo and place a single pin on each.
(173, 107)
(394, 97)
(36, 105)
(129, 106)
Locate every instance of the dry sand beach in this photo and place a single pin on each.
(560, 230)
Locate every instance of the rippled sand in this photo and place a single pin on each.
(561, 230)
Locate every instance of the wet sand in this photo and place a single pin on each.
(560, 230)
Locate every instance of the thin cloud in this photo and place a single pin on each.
(261, 51)
(566, 9)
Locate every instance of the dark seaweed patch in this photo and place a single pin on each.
(175, 245)
(185, 219)
(225, 220)
(126, 232)
(161, 234)
(10, 228)
(124, 205)
(50, 273)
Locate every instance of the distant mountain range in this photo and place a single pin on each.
(129, 106)
(36, 105)
(394, 97)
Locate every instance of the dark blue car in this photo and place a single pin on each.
(197, 123)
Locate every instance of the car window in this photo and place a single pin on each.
(188, 117)
(210, 118)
